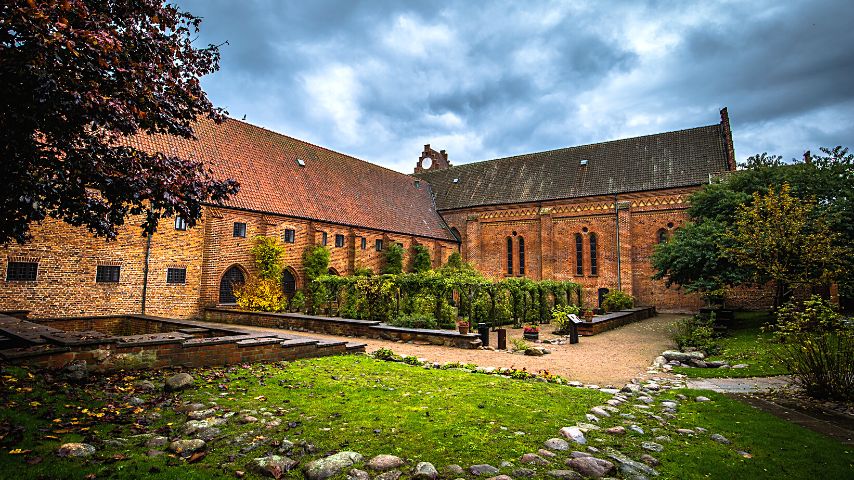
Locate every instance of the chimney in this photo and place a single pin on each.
(807, 157)
(726, 132)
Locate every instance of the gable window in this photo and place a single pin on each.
(339, 240)
(180, 223)
(579, 254)
(324, 238)
(176, 275)
(521, 256)
(108, 274)
(662, 235)
(379, 245)
(290, 235)
(21, 271)
(509, 256)
(593, 266)
(239, 229)
(364, 243)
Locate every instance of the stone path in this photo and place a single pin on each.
(613, 357)
(740, 385)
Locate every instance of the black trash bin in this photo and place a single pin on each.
(483, 331)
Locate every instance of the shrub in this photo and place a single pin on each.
(363, 272)
(818, 345)
(617, 300)
(415, 321)
(696, 332)
(519, 344)
(412, 360)
(297, 303)
(560, 317)
(385, 354)
(421, 260)
(261, 294)
(268, 252)
(393, 259)
(316, 262)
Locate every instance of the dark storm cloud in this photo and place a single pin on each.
(486, 79)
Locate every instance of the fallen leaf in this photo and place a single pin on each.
(196, 457)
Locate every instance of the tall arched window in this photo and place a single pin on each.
(509, 256)
(232, 277)
(593, 266)
(579, 254)
(521, 256)
(662, 235)
(289, 283)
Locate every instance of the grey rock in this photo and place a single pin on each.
(599, 412)
(201, 414)
(523, 473)
(672, 355)
(591, 466)
(558, 444)
(332, 465)
(76, 371)
(699, 363)
(592, 449)
(155, 442)
(207, 434)
(500, 477)
(577, 454)
(663, 438)
(356, 474)
(505, 464)
(573, 433)
(454, 470)
(652, 446)
(685, 431)
(186, 447)
(179, 381)
(609, 391)
(389, 475)
(384, 462)
(483, 469)
(247, 419)
(630, 467)
(715, 363)
(618, 430)
(77, 450)
(741, 365)
(425, 471)
(649, 460)
(535, 351)
(271, 466)
(591, 418)
(565, 474)
(668, 404)
(533, 459)
(145, 385)
(719, 438)
(636, 429)
(702, 399)
(194, 426)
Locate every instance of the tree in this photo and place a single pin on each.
(268, 253)
(79, 77)
(393, 259)
(264, 292)
(787, 241)
(315, 260)
(421, 260)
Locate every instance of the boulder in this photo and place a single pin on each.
(684, 357)
(186, 447)
(533, 459)
(483, 469)
(600, 412)
(631, 467)
(557, 444)
(425, 471)
(272, 466)
(591, 466)
(179, 381)
(652, 446)
(77, 450)
(389, 475)
(719, 438)
(573, 433)
(384, 462)
(619, 430)
(649, 460)
(565, 474)
(356, 474)
(702, 399)
(332, 465)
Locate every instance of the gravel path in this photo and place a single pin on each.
(613, 357)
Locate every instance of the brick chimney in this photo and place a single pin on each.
(726, 131)
(437, 160)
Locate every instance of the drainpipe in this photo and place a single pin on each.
(145, 270)
(617, 224)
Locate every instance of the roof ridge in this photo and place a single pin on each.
(616, 140)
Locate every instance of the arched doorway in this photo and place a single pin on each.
(233, 276)
(289, 283)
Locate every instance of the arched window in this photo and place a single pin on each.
(593, 266)
(509, 256)
(289, 283)
(662, 235)
(521, 256)
(456, 233)
(232, 277)
(579, 254)
(332, 271)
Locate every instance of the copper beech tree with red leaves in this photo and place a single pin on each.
(78, 76)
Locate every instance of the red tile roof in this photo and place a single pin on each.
(331, 187)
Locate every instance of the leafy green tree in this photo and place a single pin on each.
(315, 260)
(79, 77)
(786, 240)
(268, 253)
(421, 260)
(393, 259)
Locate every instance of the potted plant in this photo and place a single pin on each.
(588, 315)
(531, 332)
(463, 327)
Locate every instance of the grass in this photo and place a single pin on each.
(746, 343)
(372, 407)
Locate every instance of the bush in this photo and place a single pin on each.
(297, 303)
(560, 317)
(415, 321)
(617, 300)
(421, 260)
(268, 253)
(261, 294)
(696, 332)
(316, 262)
(519, 344)
(385, 354)
(393, 259)
(818, 345)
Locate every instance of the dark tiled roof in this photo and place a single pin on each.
(330, 187)
(664, 160)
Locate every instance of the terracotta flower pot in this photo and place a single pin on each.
(464, 329)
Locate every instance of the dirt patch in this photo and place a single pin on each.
(612, 357)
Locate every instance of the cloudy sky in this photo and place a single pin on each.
(379, 79)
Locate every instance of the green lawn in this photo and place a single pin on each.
(746, 343)
(372, 407)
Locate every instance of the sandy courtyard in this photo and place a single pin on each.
(613, 357)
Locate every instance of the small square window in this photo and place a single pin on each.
(176, 275)
(240, 229)
(324, 238)
(180, 223)
(290, 235)
(364, 243)
(339, 240)
(379, 245)
(22, 271)
(399, 244)
(108, 274)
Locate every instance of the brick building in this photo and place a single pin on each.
(589, 214)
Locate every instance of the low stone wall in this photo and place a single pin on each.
(613, 320)
(189, 344)
(342, 326)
